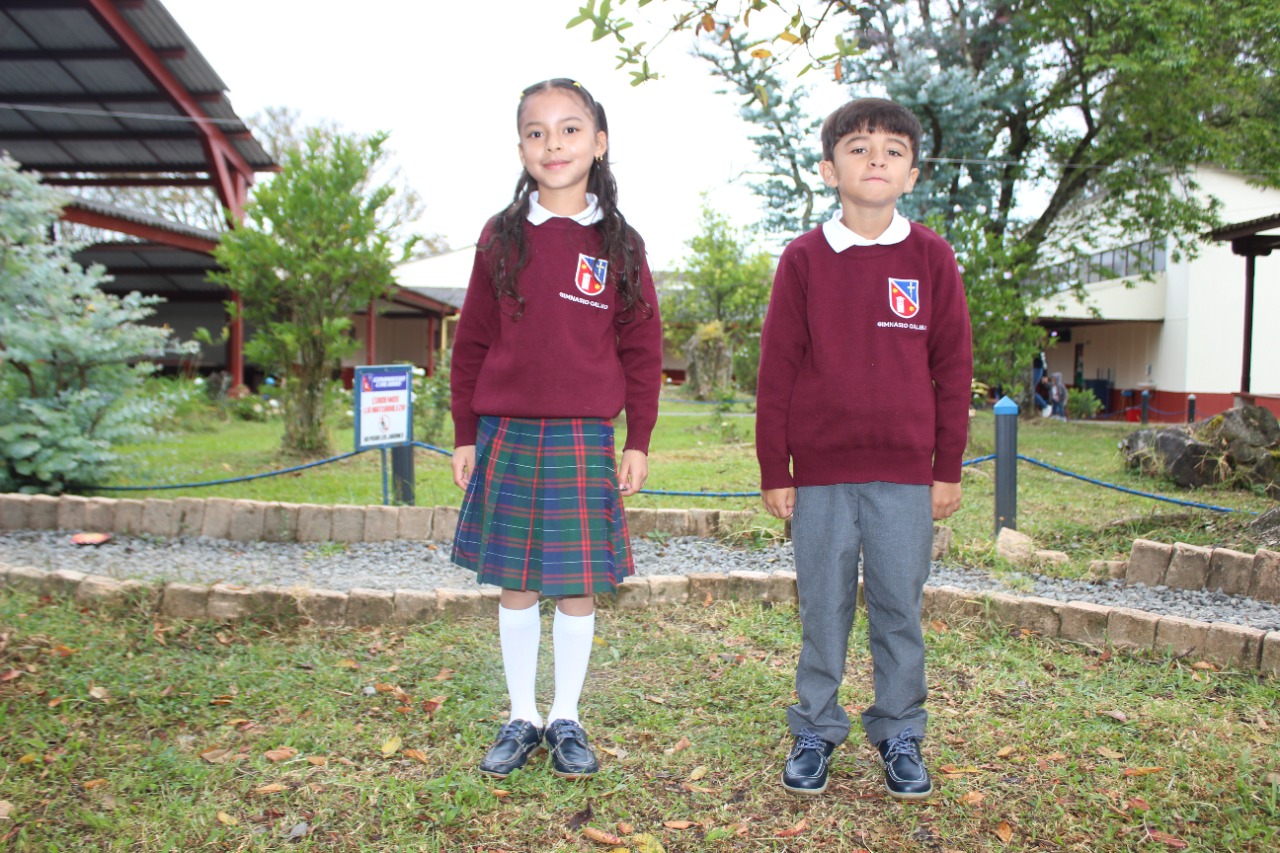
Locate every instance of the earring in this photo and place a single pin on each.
(599, 158)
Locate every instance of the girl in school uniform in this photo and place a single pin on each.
(559, 333)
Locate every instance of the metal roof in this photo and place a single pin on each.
(155, 269)
(88, 86)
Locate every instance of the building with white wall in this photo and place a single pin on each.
(1174, 327)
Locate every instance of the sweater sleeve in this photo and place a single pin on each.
(951, 367)
(478, 327)
(640, 351)
(784, 342)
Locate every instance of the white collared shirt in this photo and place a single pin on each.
(839, 237)
(539, 214)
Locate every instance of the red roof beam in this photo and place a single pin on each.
(221, 152)
(138, 229)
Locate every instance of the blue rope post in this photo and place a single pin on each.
(402, 474)
(1146, 405)
(1006, 464)
(1191, 408)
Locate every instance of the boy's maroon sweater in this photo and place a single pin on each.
(567, 356)
(852, 391)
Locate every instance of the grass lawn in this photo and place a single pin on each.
(127, 734)
(696, 449)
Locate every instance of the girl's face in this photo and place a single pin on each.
(558, 142)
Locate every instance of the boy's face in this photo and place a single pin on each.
(870, 169)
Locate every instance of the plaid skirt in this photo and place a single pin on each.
(542, 510)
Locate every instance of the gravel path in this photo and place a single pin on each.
(425, 565)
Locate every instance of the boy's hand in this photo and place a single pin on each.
(945, 498)
(464, 462)
(633, 471)
(779, 502)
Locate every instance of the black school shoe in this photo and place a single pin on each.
(516, 742)
(905, 775)
(571, 755)
(805, 772)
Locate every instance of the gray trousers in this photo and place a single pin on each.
(892, 526)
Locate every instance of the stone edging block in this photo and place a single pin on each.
(1243, 648)
(1148, 562)
(245, 520)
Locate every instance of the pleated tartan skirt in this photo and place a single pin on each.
(542, 510)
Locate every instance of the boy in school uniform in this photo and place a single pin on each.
(862, 417)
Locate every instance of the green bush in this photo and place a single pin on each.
(1081, 403)
(75, 358)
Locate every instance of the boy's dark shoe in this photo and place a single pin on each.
(805, 772)
(516, 742)
(571, 755)
(905, 775)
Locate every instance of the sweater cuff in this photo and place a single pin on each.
(776, 476)
(464, 430)
(946, 470)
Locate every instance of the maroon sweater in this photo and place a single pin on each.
(567, 356)
(865, 365)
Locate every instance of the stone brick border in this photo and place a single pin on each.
(1183, 566)
(222, 518)
(1233, 646)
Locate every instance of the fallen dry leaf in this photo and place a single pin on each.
(1204, 666)
(430, 706)
(219, 755)
(698, 772)
(227, 819)
(383, 687)
(56, 701)
(1005, 751)
(273, 788)
(101, 694)
(416, 754)
(657, 700)
(94, 783)
(391, 746)
(952, 770)
(1119, 716)
(646, 843)
(11, 674)
(625, 828)
(1166, 839)
(443, 675)
(599, 835)
(63, 651)
(499, 792)
(280, 753)
(6, 809)
(682, 745)
(1004, 832)
(697, 789)
(348, 663)
(795, 830)
(678, 824)
(1141, 771)
(317, 760)
(973, 798)
(1139, 805)
(1109, 753)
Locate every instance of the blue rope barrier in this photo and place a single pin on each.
(1092, 481)
(243, 479)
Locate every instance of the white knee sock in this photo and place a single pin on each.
(519, 631)
(572, 637)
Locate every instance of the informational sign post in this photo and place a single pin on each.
(384, 412)
(384, 406)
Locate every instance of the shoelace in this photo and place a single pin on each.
(905, 742)
(569, 730)
(510, 728)
(809, 739)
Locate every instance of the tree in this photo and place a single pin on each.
(314, 247)
(721, 282)
(1104, 107)
(72, 358)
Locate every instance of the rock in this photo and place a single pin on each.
(1266, 528)
(1015, 547)
(1240, 444)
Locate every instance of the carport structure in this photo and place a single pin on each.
(114, 93)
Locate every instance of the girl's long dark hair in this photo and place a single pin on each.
(508, 250)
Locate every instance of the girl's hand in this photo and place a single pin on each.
(779, 502)
(464, 462)
(633, 471)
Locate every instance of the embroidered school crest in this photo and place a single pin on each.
(592, 273)
(904, 297)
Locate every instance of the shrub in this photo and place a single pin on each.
(1081, 403)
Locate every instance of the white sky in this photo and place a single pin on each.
(444, 79)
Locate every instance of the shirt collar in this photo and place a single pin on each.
(539, 214)
(839, 237)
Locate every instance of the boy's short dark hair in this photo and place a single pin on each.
(870, 115)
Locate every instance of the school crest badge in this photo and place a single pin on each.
(904, 297)
(592, 273)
